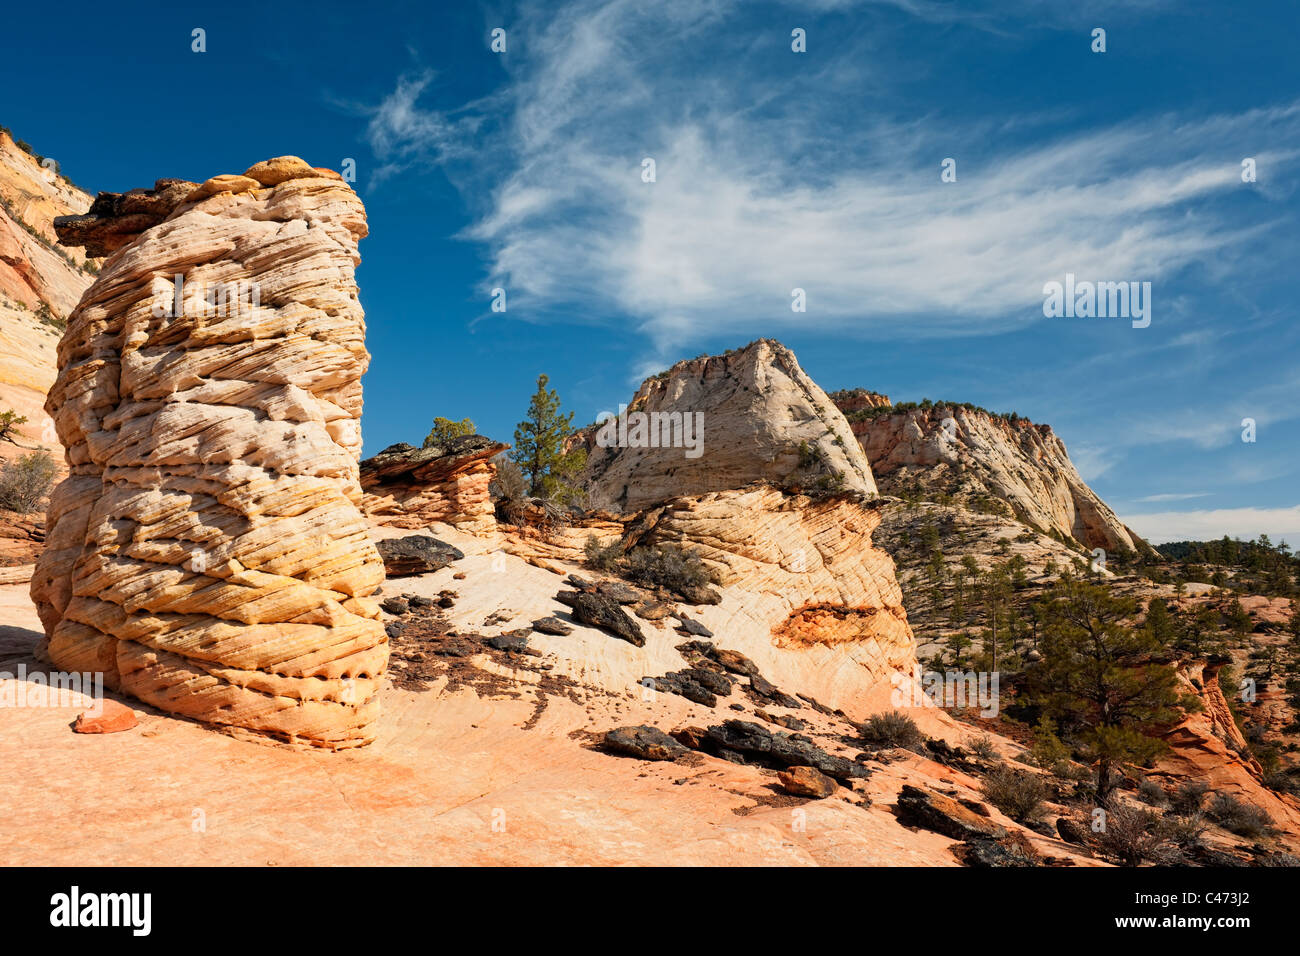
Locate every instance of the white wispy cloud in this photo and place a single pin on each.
(762, 188)
(401, 133)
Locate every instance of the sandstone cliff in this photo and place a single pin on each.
(40, 283)
(978, 459)
(759, 416)
(207, 552)
(781, 504)
(1207, 746)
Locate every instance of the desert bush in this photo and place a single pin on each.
(1237, 817)
(1280, 781)
(982, 746)
(1184, 830)
(510, 490)
(1189, 798)
(1132, 835)
(603, 557)
(1017, 793)
(667, 566)
(1152, 794)
(25, 481)
(47, 317)
(892, 729)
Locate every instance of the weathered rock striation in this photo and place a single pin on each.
(409, 487)
(761, 418)
(40, 283)
(207, 552)
(805, 567)
(982, 456)
(792, 548)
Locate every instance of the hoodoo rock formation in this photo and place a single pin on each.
(757, 417)
(409, 487)
(207, 552)
(979, 455)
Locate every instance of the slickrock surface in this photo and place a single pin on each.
(758, 408)
(806, 568)
(207, 551)
(409, 487)
(800, 577)
(36, 272)
(984, 456)
(497, 761)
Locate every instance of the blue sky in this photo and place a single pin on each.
(774, 170)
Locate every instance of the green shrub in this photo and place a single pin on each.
(509, 489)
(1152, 794)
(1017, 793)
(1047, 750)
(25, 481)
(1132, 835)
(10, 420)
(668, 566)
(603, 557)
(444, 430)
(1189, 798)
(1184, 830)
(893, 729)
(1237, 817)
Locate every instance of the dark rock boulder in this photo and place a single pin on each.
(694, 628)
(709, 680)
(736, 662)
(416, 554)
(513, 641)
(603, 612)
(780, 750)
(932, 811)
(1012, 849)
(647, 743)
(765, 690)
(1071, 831)
(698, 594)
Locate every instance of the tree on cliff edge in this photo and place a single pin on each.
(539, 447)
(1102, 681)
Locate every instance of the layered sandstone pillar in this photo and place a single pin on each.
(207, 552)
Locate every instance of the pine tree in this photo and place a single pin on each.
(1099, 678)
(9, 420)
(1159, 623)
(1238, 619)
(539, 447)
